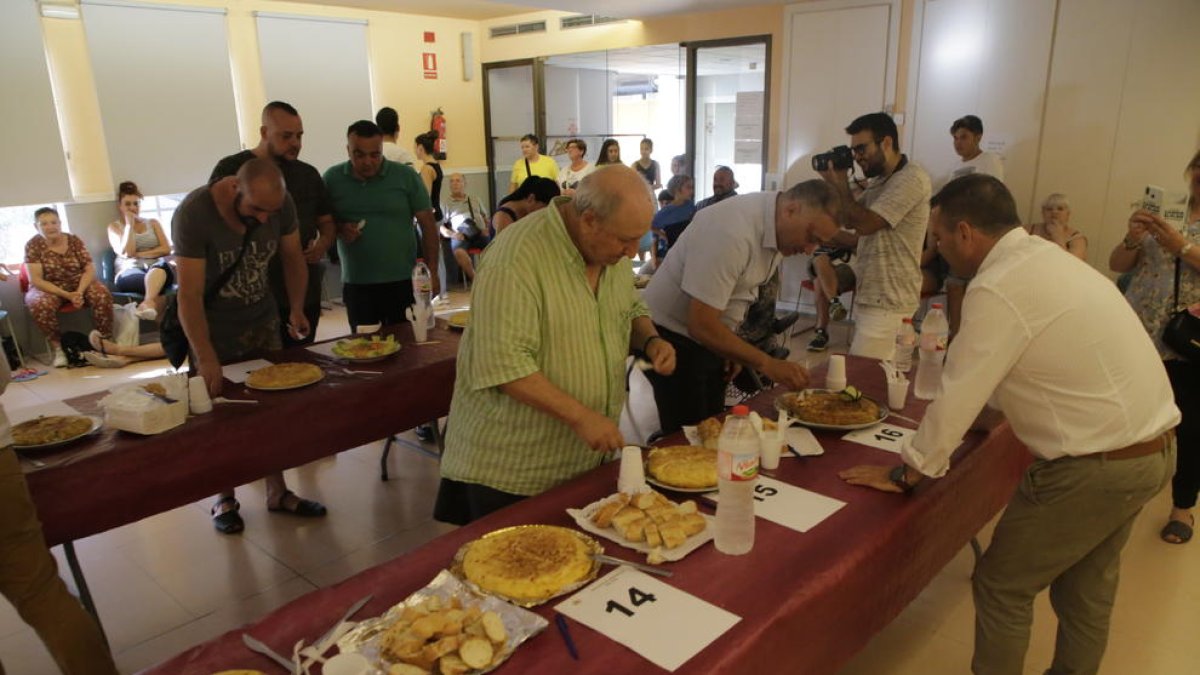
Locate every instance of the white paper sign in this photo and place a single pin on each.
(802, 440)
(662, 623)
(325, 349)
(882, 436)
(237, 372)
(788, 505)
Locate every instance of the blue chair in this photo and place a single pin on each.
(108, 276)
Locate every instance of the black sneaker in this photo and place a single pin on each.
(837, 311)
(820, 340)
(425, 433)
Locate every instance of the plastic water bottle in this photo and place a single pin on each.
(737, 471)
(906, 341)
(422, 282)
(935, 332)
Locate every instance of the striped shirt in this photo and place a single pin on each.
(533, 311)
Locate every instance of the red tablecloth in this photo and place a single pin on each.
(117, 477)
(808, 602)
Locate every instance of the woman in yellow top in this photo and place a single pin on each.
(532, 163)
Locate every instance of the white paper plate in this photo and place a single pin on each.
(583, 518)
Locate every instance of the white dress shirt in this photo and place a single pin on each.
(1051, 343)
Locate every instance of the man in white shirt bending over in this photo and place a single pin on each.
(968, 132)
(1067, 363)
(389, 123)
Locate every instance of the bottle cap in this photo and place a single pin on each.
(936, 305)
(907, 319)
(741, 410)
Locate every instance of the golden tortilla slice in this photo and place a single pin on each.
(284, 376)
(830, 407)
(50, 429)
(529, 564)
(683, 466)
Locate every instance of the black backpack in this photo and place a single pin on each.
(74, 344)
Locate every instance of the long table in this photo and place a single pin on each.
(114, 477)
(808, 602)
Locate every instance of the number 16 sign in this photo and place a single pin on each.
(882, 436)
(660, 622)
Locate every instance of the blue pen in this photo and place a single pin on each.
(565, 632)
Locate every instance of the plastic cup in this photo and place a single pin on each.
(897, 394)
(198, 400)
(770, 446)
(632, 478)
(420, 330)
(835, 376)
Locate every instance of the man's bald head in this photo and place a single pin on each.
(614, 206)
(261, 186)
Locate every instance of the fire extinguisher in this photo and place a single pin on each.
(438, 123)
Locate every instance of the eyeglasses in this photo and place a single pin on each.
(861, 148)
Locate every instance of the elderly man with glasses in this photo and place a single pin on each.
(888, 213)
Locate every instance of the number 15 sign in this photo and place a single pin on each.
(660, 622)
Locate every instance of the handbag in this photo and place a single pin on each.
(1182, 332)
(170, 332)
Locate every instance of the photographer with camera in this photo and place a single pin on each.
(465, 224)
(888, 213)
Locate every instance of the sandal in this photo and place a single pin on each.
(305, 508)
(1181, 531)
(228, 521)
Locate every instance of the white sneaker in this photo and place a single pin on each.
(60, 359)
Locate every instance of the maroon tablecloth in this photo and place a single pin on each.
(118, 477)
(808, 602)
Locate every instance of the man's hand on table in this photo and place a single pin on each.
(211, 372)
(599, 432)
(298, 324)
(662, 356)
(788, 373)
(870, 475)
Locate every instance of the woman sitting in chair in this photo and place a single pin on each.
(61, 272)
(143, 264)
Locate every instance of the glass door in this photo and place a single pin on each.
(727, 106)
(511, 93)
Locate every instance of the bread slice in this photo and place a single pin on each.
(652, 536)
(672, 534)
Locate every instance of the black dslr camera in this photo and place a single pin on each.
(840, 158)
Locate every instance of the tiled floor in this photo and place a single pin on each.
(170, 581)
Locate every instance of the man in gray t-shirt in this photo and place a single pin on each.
(889, 217)
(211, 227)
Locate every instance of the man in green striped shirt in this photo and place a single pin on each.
(541, 368)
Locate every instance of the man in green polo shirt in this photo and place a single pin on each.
(374, 203)
(541, 368)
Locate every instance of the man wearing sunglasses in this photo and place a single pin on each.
(888, 214)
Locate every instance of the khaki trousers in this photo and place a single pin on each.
(29, 579)
(1064, 528)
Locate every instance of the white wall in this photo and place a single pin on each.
(988, 59)
(1122, 109)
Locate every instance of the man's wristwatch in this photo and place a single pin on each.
(899, 478)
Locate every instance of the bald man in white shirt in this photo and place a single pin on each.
(1049, 343)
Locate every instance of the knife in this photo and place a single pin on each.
(648, 569)
(258, 646)
(349, 613)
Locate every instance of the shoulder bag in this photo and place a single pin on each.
(170, 332)
(1182, 332)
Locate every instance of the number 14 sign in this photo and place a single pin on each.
(660, 622)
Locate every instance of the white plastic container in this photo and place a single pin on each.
(935, 332)
(737, 474)
(422, 281)
(127, 409)
(906, 342)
